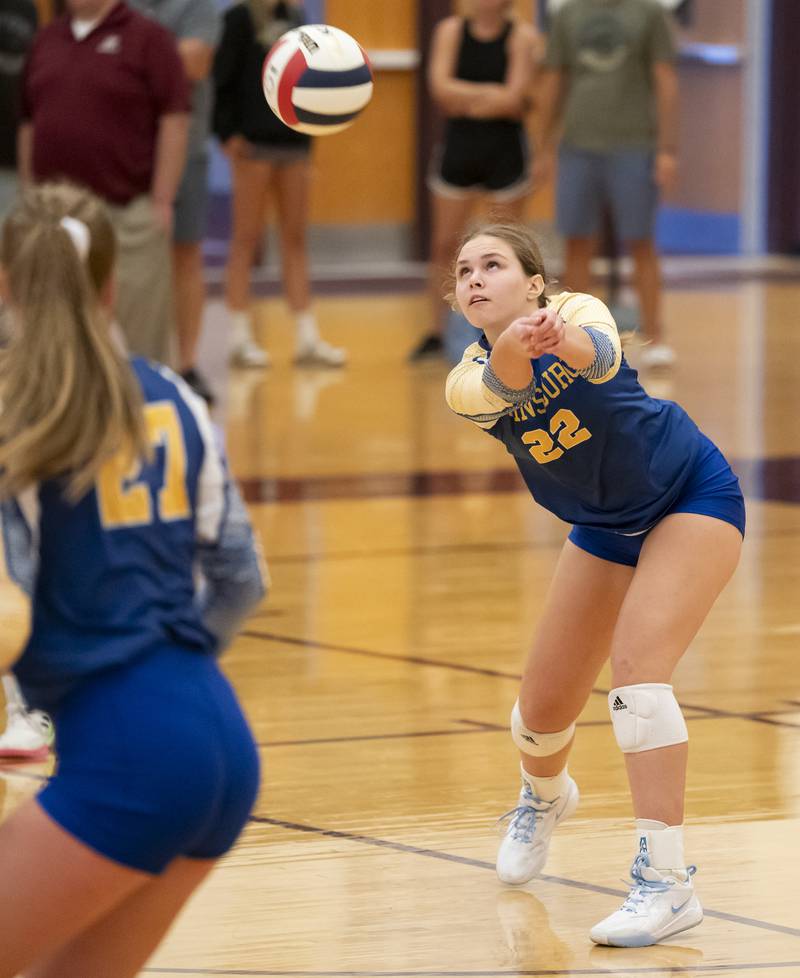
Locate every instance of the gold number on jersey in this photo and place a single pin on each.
(124, 499)
(565, 429)
(542, 446)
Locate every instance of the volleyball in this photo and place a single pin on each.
(317, 79)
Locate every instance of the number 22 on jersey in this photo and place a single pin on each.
(124, 498)
(565, 428)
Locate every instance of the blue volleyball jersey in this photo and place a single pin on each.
(595, 450)
(114, 575)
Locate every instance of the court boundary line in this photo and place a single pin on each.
(489, 546)
(759, 716)
(407, 848)
(754, 475)
(477, 727)
(680, 969)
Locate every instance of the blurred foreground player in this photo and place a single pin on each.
(114, 495)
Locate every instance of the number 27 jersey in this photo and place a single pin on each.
(114, 575)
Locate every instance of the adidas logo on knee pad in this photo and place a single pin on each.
(535, 743)
(648, 718)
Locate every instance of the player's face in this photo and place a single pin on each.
(492, 289)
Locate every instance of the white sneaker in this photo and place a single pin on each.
(658, 906)
(318, 353)
(249, 354)
(28, 736)
(657, 355)
(523, 851)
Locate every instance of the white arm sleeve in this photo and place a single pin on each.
(20, 517)
(468, 395)
(588, 312)
(234, 574)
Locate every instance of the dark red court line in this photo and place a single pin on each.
(488, 546)
(598, 972)
(769, 479)
(406, 735)
(409, 849)
(497, 728)
(416, 660)
(761, 716)
(380, 485)
(475, 727)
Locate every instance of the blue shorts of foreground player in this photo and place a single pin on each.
(712, 489)
(155, 760)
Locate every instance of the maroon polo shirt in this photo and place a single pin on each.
(95, 104)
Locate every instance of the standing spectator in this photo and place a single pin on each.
(195, 25)
(17, 28)
(480, 74)
(267, 160)
(610, 83)
(105, 103)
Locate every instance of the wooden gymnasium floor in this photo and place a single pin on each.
(408, 571)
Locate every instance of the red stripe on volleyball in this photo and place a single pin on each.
(365, 56)
(295, 67)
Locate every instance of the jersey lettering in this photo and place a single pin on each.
(124, 499)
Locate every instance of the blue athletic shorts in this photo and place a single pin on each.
(712, 489)
(155, 760)
(622, 181)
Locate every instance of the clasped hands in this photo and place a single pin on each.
(542, 332)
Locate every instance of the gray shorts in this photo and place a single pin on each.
(621, 181)
(191, 202)
(279, 154)
(8, 189)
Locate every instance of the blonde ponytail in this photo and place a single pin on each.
(68, 398)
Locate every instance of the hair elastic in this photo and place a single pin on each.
(79, 235)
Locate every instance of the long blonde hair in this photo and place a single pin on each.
(68, 397)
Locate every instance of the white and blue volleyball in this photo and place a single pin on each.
(317, 79)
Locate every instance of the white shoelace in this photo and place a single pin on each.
(643, 888)
(524, 817)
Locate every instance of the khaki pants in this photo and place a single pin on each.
(144, 304)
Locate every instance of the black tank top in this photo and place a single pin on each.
(482, 61)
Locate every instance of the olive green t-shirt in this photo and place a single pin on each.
(607, 49)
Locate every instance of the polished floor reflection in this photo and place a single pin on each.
(408, 571)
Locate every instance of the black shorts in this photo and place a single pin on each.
(488, 158)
